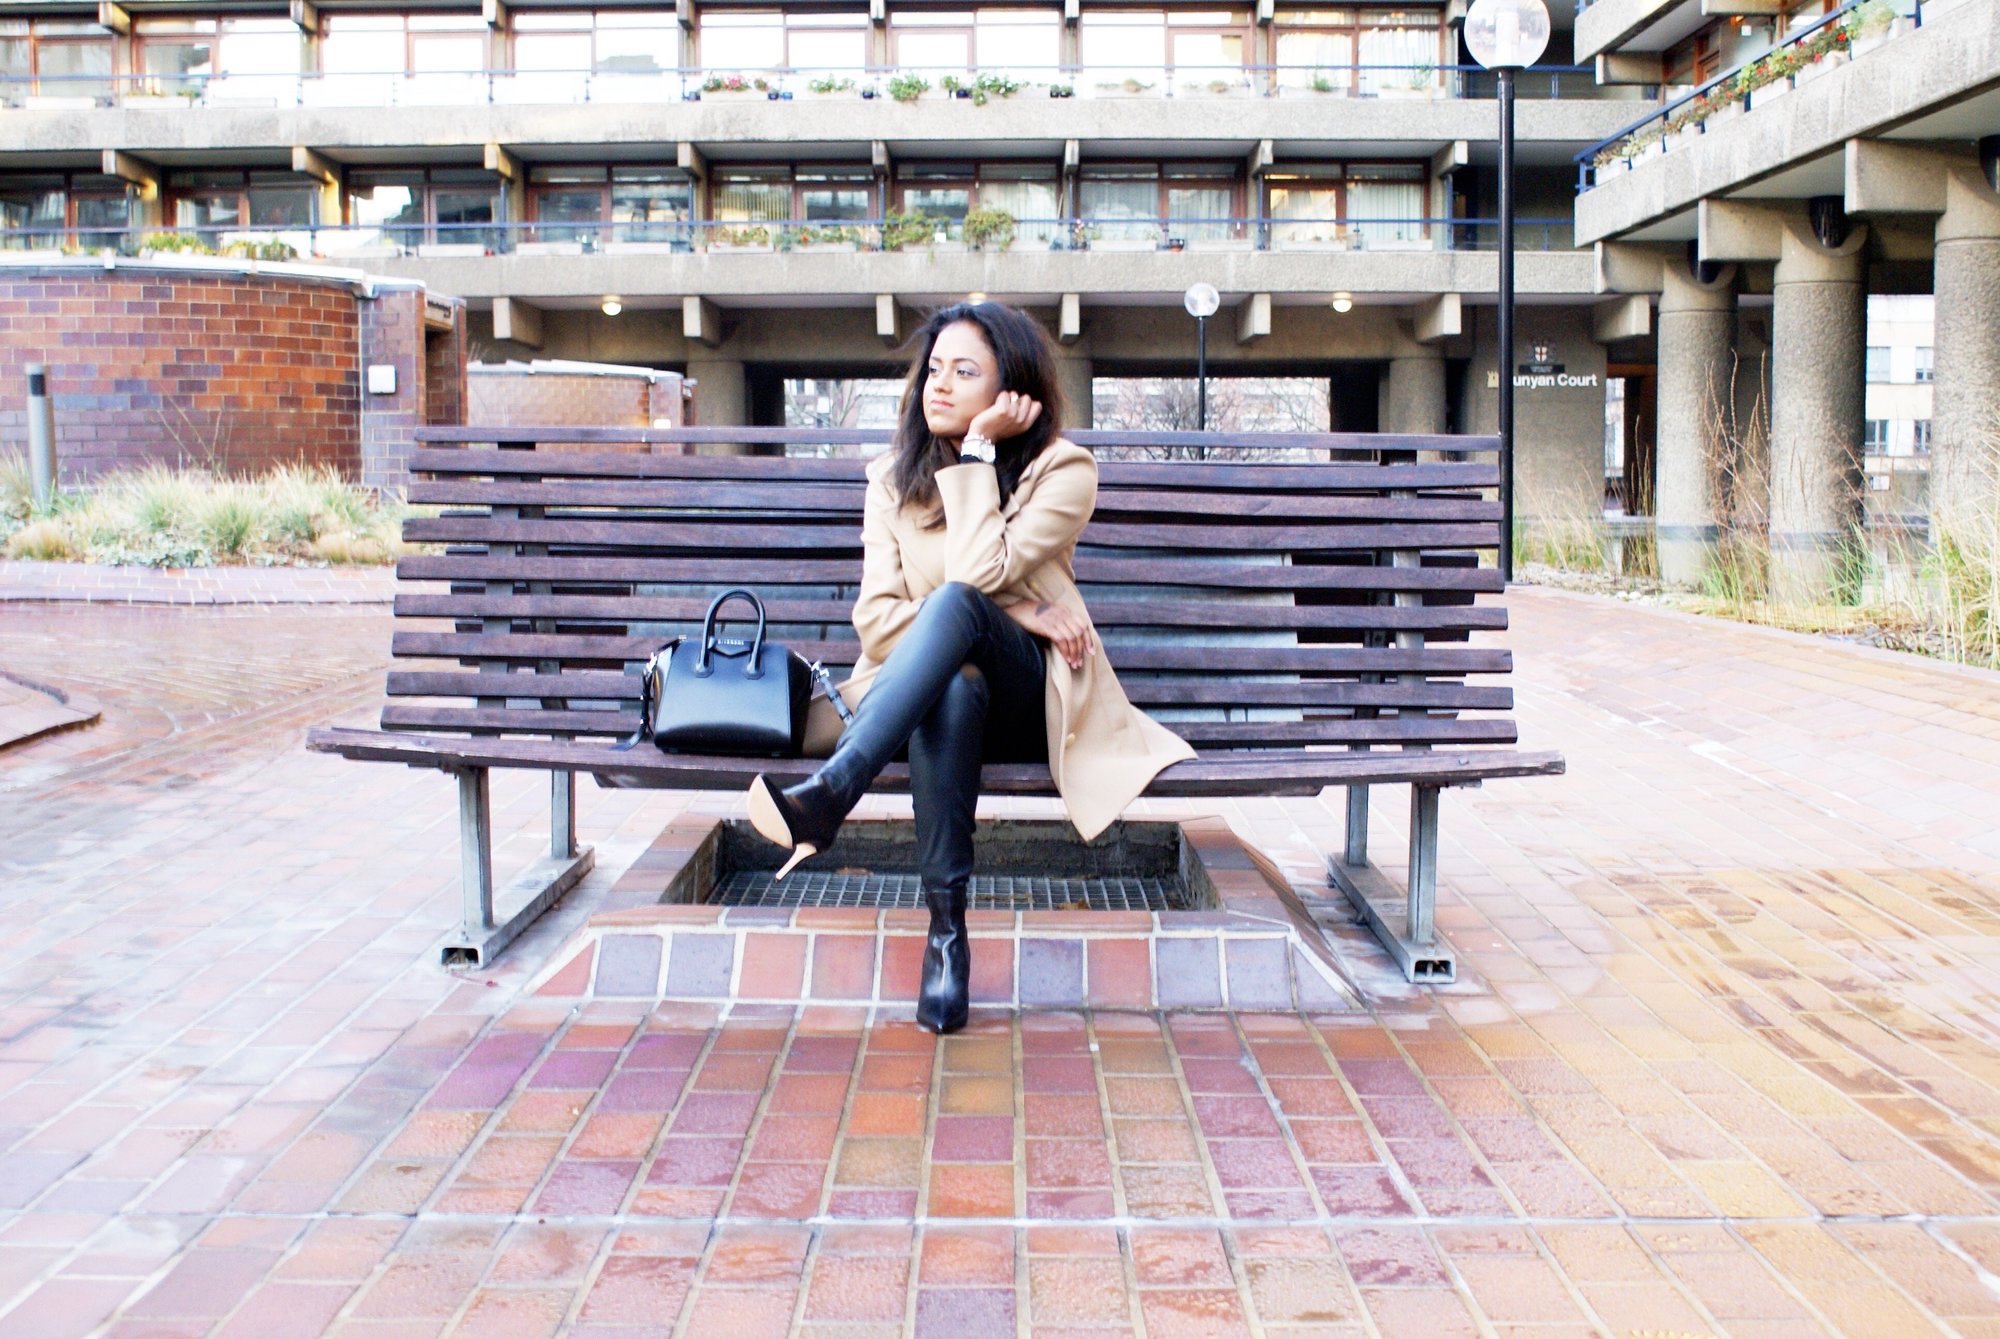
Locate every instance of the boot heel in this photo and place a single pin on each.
(802, 852)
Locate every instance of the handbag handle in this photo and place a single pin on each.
(754, 670)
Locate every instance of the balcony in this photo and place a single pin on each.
(896, 255)
(1891, 68)
(902, 84)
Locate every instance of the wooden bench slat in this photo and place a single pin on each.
(1330, 658)
(1185, 476)
(1230, 615)
(620, 686)
(1091, 569)
(1274, 772)
(711, 533)
(1236, 734)
(1368, 443)
(844, 500)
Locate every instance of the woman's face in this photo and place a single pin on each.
(962, 379)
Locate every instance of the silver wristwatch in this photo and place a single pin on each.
(975, 447)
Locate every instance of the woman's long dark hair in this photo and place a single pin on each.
(1027, 364)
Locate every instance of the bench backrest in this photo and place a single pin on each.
(1247, 604)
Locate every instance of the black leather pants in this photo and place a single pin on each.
(963, 685)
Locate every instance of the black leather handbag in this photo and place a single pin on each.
(724, 695)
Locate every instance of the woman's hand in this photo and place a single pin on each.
(1009, 416)
(1069, 634)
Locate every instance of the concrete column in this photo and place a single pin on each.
(721, 399)
(1074, 376)
(1413, 398)
(1697, 328)
(1965, 413)
(1819, 330)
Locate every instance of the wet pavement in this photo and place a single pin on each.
(1723, 1060)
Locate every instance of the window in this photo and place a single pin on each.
(221, 202)
(1878, 363)
(441, 205)
(1876, 435)
(1920, 436)
(1370, 50)
(1360, 205)
(1134, 50)
(1926, 368)
(1692, 63)
(624, 41)
(180, 56)
(784, 194)
(1024, 44)
(1029, 192)
(753, 41)
(1148, 201)
(389, 59)
(642, 204)
(54, 58)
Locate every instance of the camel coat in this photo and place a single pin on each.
(1103, 751)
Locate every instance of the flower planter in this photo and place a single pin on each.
(647, 248)
(549, 249)
(1769, 93)
(1221, 244)
(1124, 244)
(724, 248)
(431, 250)
(827, 247)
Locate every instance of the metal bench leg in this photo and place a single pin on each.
(1419, 924)
(534, 891)
(1403, 920)
(1357, 825)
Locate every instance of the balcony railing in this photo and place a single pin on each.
(903, 83)
(350, 244)
(1802, 56)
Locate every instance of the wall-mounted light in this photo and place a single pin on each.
(975, 297)
(611, 306)
(1343, 302)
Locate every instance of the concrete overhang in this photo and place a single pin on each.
(642, 131)
(1636, 25)
(1128, 278)
(1934, 82)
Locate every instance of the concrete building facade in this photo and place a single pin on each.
(756, 196)
(1820, 157)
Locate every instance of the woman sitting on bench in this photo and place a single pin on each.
(975, 644)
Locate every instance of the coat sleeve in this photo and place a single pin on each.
(883, 607)
(993, 553)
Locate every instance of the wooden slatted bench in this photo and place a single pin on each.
(1302, 624)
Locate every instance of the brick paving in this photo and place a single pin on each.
(1723, 1060)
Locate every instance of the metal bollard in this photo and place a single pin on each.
(41, 435)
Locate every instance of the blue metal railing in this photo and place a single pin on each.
(354, 242)
(1655, 125)
(393, 88)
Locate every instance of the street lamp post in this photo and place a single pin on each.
(1506, 36)
(1201, 301)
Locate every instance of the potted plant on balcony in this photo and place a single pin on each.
(1129, 87)
(988, 228)
(746, 237)
(830, 86)
(823, 237)
(906, 232)
(174, 244)
(734, 85)
(908, 87)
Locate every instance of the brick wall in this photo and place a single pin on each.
(223, 368)
(234, 371)
(504, 395)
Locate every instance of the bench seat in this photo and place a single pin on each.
(1308, 611)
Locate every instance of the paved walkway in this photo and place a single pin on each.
(1724, 1060)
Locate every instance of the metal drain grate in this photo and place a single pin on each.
(997, 892)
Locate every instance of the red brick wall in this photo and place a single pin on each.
(559, 398)
(237, 371)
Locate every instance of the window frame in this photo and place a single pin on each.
(1349, 81)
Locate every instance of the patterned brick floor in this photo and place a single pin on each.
(1724, 1059)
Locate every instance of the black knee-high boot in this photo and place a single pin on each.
(944, 999)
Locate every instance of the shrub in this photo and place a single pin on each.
(166, 242)
(988, 227)
(907, 230)
(908, 87)
(43, 540)
(229, 522)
